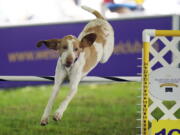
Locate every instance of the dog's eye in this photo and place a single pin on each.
(75, 49)
(65, 47)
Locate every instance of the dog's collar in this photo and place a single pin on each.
(76, 59)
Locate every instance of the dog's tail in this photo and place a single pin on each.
(96, 13)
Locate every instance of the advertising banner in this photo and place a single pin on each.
(19, 55)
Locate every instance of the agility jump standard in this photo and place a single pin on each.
(147, 65)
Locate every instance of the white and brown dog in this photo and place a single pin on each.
(78, 56)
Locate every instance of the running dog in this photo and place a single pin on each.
(78, 56)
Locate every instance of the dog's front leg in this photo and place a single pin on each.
(60, 74)
(74, 82)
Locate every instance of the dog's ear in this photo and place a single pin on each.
(88, 40)
(51, 43)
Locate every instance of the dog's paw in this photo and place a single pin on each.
(57, 116)
(44, 122)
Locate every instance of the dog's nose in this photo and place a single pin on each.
(68, 63)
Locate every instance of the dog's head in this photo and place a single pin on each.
(69, 47)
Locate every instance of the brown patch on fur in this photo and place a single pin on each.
(90, 58)
(98, 15)
(65, 39)
(64, 43)
(51, 43)
(100, 33)
(88, 40)
(61, 50)
(68, 37)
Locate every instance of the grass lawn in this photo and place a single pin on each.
(104, 109)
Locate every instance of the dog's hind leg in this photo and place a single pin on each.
(74, 82)
(108, 46)
(59, 77)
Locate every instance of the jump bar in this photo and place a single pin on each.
(85, 79)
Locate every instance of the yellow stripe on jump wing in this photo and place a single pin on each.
(146, 47)
(167, 33)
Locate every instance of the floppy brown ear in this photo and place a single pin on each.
(88, 40)
(51, 43)
(40, 43)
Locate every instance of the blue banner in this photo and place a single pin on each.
(19, 55)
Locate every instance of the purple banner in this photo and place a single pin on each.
(19, 55)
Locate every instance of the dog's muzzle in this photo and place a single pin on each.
(70, 62)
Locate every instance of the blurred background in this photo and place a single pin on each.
(97, 109)
(41, 11)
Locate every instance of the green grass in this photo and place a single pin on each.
(108, 109)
